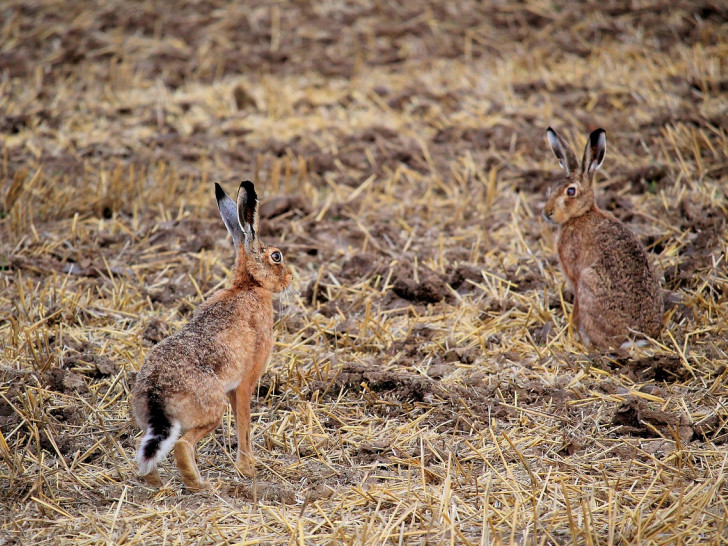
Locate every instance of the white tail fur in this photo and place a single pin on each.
(147, 464)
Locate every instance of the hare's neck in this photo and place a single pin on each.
(241, 277)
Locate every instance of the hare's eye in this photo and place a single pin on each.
(276, 257)
(571, 191)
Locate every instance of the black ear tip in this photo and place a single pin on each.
(596, 135)
(550, 130)
(219, 192)
(249, 188)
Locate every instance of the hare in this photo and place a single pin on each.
(183, 387)
(616, 295)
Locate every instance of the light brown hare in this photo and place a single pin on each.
(182, 389)
(616, 295)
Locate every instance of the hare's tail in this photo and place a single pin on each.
(159, 438)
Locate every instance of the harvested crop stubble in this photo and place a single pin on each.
(425, 386)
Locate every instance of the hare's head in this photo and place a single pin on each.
(575, 195)
(257, 264)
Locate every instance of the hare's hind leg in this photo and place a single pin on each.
(240, 403)
(184, 455)
(152, 479)
(597, 324)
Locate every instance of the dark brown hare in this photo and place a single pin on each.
(616, 295)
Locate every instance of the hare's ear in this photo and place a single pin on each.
(594, 153)
(248, 212)
(562, 151)
(229, 213)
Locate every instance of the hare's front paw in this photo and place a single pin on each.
(245, 464)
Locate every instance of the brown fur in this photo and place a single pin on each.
(217, 357)
(616, 294)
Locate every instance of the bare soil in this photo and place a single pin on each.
(425, 385)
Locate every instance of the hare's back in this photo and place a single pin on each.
(195, 349)
(623, 260)
(183, 362)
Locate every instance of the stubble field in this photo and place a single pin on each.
(425, 386)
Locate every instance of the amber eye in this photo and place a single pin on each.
(571, 191)
(276, 257)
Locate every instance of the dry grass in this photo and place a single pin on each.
(425, 386)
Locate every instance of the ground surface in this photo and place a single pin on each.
(425, 386)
